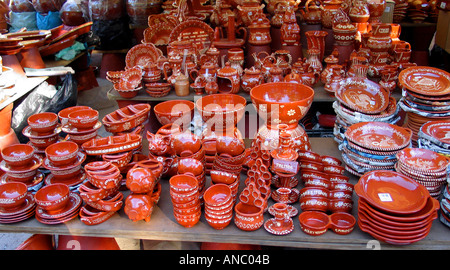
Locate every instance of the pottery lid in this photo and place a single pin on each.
(227, 70)
(253, 71)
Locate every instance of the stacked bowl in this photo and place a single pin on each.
(445, 207)
(230, 154)
(218, 206)
(426, 96)
(100, 193)
(16, 202)
(130, 82)
(400, 10)
(185, 198)
(43, 130)
(394, 208)
(56, 204)
(80, 123)
(433, 136)
(195, 168)
(21, 164)
(426, 167)
(226, 178)
(362, 100)
(373, 146)
(64, 161)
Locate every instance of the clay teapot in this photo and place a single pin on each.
(247, 9)
(264, 63)
(138, 207)
(207, 70)
(312, 13)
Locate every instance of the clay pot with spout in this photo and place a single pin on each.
(207, 71)
(312, 13)
(247, 9)
(337, 76)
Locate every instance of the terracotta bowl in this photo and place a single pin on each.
(44, 142)
(312, 165)
(43, 123)
(52, 198)
(282, 102)
(329, 160)
(89, 192)
(217, 194)
(190, 165)
(18, 154)
(221, 177)
(314, 204)
(62, 153)
(186, 144)
(248, 217)
(314, 192)
(229, 145)
(342, 223)
(334, 169)
(83, 119)
(103, 174)
(183, 183)
(188, 210)
(187, 220)
(12, 194)
(220, 111)
(340, 205)
(313, 222)
(324, 183)
(174, 111)
(342, 186)
(64, 113)
(309, 155)
(218, 223)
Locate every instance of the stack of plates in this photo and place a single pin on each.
(362, 100)
(372, 146)
(426, 167)
(10, 46)
(426, 96)
(400, 9)
(20, 213)
(69, 212)
(435, 136)
(393, 208)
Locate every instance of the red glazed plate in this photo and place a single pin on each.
(437, 130)
(425, 80)
(379, 136)
(200, 33)
(363, 95)
(392, 192)
(423, 159)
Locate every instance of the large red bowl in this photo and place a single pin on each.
(180, 112)
(282, 102)
(221, 111)
(18, 154)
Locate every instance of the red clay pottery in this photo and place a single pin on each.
(71, 14)
(43, 123)
(186, 143)
(103, 174)
(359, 12)
(221, 111)
(329, 8)
(91, 193)
(12, 195)
(259, 30)
(314, 222)
(190, 165)
(281, 224)
(52, 198)
(228, 79)
(62, 153)
(314, 204)
(138, 207)
(340, 205)
(316, 40)
(248, 217)
(290, 30)
(376, 9)
(140, 180)
(17, 155)
(63, 115)
(112, 144)
(312, 13)
(432, 82)
(251, 78)
(112, 203)
(92, 216)
(126, 118)
(83, 119)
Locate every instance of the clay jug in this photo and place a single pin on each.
(251, 78)
(359, 12)
(312, 13)
(329, 8)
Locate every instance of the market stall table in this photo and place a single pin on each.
(163, 225)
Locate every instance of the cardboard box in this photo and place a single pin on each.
(443, 30)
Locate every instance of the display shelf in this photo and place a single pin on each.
(163, 226)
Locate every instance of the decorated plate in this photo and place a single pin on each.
(363, 95)
(141, 55)
(379, 136)
(423, 159)
(439, 130)
(200, 33)
(392, 192)
(158, 34)
(425, 80)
